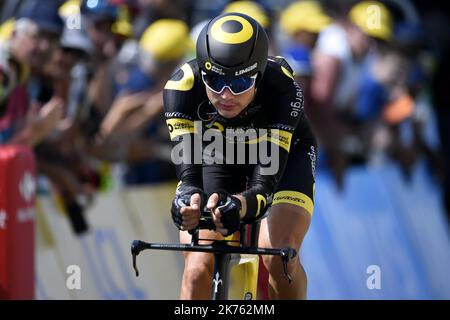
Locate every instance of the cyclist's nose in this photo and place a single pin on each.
(226, 94)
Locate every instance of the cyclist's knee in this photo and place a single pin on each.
(274, 265)
(291, 240)
(198, 265)
(285, 229)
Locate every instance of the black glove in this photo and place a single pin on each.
(230, 208)
(183, 199)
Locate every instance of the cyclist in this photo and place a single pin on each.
(233, 84)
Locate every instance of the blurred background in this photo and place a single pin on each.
(85, 155)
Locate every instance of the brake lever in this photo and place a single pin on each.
(286, 255)
(285, 259)
(136, 248)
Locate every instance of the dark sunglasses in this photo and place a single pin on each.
(237, 86)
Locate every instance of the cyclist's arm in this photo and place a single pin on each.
(287, 107)
(179, 106)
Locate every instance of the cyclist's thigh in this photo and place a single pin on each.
(293, 203)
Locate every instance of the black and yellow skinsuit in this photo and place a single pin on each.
(277, 107)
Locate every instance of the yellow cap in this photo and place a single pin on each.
(122, 26)
(304, 16)
(250, 8)
(373, 18)
(6, 29)
(70, 7)
(166, 39)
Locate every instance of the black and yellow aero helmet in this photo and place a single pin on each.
(232, 45)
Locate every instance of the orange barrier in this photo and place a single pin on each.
(17, 210)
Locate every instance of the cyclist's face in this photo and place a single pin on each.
(229, 105)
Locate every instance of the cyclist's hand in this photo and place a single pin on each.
(191, 214)
(225, 210)
(186, 208)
